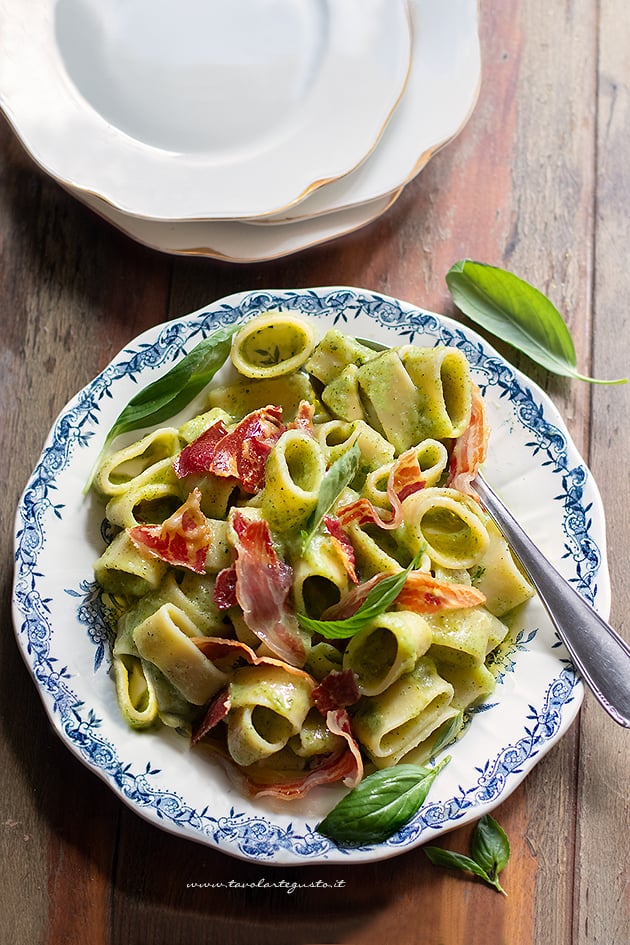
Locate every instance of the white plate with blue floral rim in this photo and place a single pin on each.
(62, 634)
(176, 111)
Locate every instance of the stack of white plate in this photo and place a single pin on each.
(243, 130)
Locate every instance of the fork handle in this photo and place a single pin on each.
(599, 653)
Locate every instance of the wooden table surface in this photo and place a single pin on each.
(537, 182)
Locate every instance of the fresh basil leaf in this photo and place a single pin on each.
(456, 861)
(380, 805)
(341, 472)
(490, 846)
(490, 849)
(377, 601)
(173, 391)
(519, 314)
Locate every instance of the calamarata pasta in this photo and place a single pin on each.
(307, 586)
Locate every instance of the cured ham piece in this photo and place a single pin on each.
(422, 594)
(350, 602)
(226, 653)
(215, 713)
(263, 585)
(194, 457)
(342, 545)
(470, 449)
(304, 418)
(337, 690)
(407, 475)
(344, 765)
(240, 454)
(225, 589)
(183, 540)
(405, 478)
(338, 721)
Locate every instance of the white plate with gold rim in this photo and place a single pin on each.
(437, 102)
(63, 637)
(237, 240)
(201, 109)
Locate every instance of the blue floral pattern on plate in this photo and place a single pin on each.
(62, 625)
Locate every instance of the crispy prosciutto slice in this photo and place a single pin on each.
(240, 454)
(263, 585)
(183, 540)
(336, 690)
(304, 418)
(345, 764)
(407, 475)
(194, 457)
(422, 594)
(342, 545)
(225, 589)
(215, 713)
(405, 478)
(338, 721)
(469, 450)
(226, 653)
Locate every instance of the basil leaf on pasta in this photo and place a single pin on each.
(519, 314)
(380, 805)
(377, 601)
(173, 391)
(337, 477)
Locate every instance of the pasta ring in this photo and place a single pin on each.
(271, 345)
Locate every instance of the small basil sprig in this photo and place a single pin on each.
(377, 601)
(173, 391)
(379, 805)
(516, 312)
(337, 477)
(490, 852)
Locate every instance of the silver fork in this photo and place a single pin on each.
(598, 652)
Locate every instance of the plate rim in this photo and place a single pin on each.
(305, 234)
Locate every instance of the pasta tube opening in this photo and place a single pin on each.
(119, 471)
(386, 649)
(441, 376)
(272, 345)
(293, 475)
(448, 524)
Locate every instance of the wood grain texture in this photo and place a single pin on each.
(538, 182)
(602, 900)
